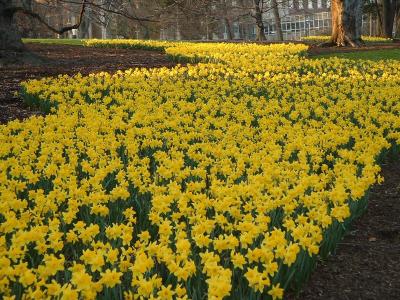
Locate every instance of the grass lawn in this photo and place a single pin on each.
(76, 42)
(369, 55)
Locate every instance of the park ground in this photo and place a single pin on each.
(366, 264)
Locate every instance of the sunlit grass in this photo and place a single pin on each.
(365, 38)
(77, 42)
(374, 55)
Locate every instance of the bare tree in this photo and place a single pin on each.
(228, 12)
(258, 16)
(397, 21)
(387, 11)
(223, 9)
(277, 17)
(9, 34)
(10, 38)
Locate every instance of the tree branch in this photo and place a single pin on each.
(101, 7)
(36, 16)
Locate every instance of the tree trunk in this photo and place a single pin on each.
(10, 38)
(397, 22)
(83, 32)
(90, 27)
(277, 17)
(346, 23)
(259, 21)
(228, 28)
(388, 16)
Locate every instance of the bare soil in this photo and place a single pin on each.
(366, 264)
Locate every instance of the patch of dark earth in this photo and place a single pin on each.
(53, 60)
(366, 264)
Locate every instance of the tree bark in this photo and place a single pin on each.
(397, 22)
(388, 16)
(10, 38)
(228, 28)
(259, 21)
(86, 28)
(277, 17)
(346, 23)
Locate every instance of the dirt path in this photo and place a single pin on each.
(63, 59)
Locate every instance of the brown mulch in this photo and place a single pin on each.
(63, 59)
(367, 262)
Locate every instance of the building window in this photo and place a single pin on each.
(328, 3)
(319, 3)
(301, 6)
(310, 4)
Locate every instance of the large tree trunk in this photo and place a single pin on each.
(10, 38)
(388, 16)
(397, 22)
(346, 22)
(259, 21)
(277, 17)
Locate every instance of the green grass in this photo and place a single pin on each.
(75, 42)
(366, 55)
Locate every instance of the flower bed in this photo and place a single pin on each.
(227, 178)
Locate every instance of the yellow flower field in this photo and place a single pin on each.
(221, 179)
